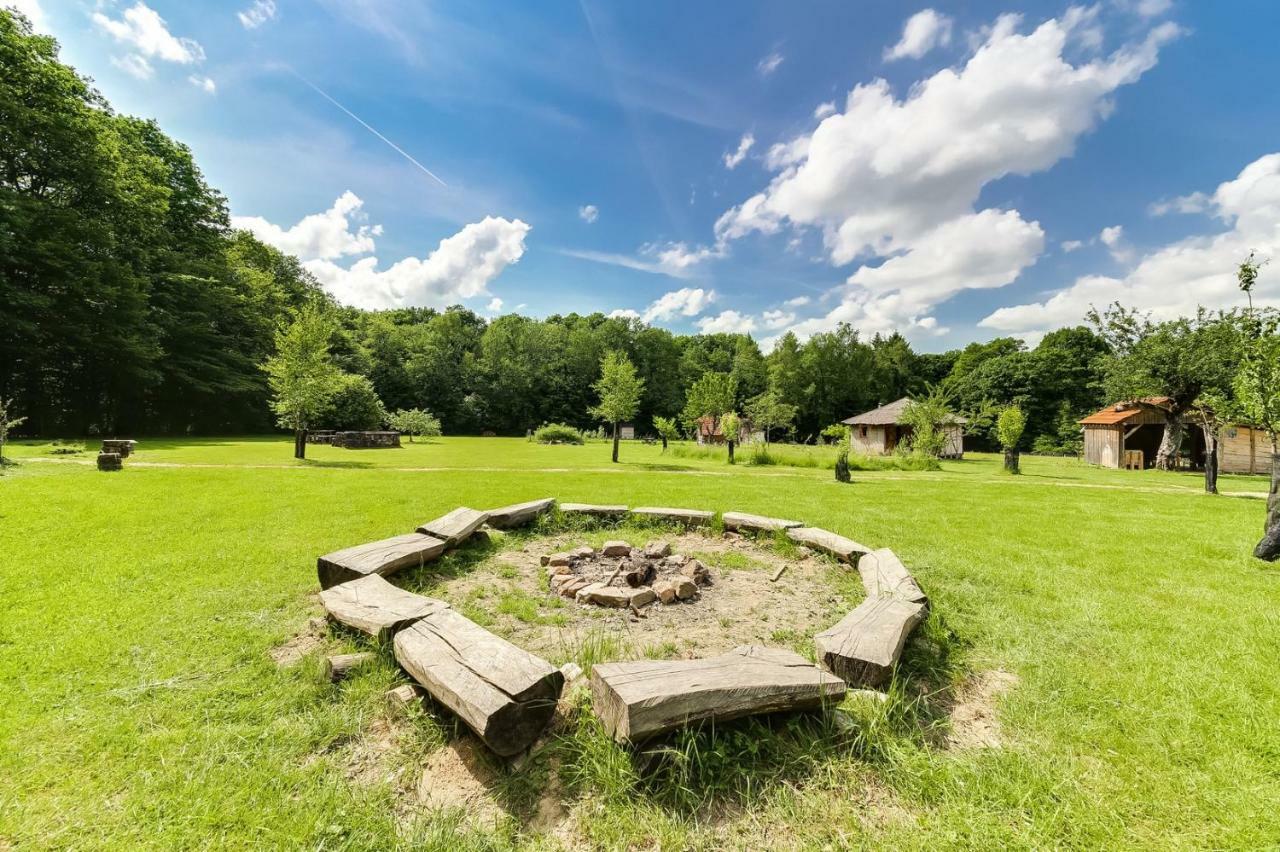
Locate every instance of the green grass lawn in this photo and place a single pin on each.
(139, 706)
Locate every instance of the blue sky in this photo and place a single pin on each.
(956, 172)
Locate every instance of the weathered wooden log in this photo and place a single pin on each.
(777, 575)
(109, 461)
(405, 695)
(455, 527)
(884, 576)
(504, 694)
(641, 699)
(688, 517)
(383, 557)
(844, 549)
(756, 523)
(519, 514)
(374, 607)
(593, 510)
(864, 646)
(339, 666)
(638, 574)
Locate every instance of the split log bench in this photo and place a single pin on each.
(864, 646)
(688, 517)
(455, 527)
(519, 514)
(638, 700)
(592, 510)
(756, 523)
(844, 549)
(503, 693)
(378, 557)
(884, 576)
(109, 461)
(120, 446)
(374, 607)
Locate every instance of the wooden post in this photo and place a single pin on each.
(615, 442)
(1210, 461)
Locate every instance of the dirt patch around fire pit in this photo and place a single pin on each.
(511, 593)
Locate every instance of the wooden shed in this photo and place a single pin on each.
(1126, 434)
(878, 432)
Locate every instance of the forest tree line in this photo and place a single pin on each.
(129, 305)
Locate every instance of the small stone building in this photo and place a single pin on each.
(878, 432)
(710, 431)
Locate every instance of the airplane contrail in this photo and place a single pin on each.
(402, 152)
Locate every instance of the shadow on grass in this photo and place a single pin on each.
(353, 465)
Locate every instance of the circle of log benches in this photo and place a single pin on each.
(507, 695)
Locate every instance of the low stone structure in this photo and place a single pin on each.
(365, 440)
(109, 461)
(123, 447)
(619, 575)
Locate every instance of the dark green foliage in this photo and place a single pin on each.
(354, 406)
(842, 465)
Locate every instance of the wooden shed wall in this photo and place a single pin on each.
(954, 447)
(1102, 445)
(1244, 450)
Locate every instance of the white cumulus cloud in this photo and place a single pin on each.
(777, 319)
(899, 179)
(733, 158)
(461, 267)
(257, 14)
(134, 65)
(320, 236)
(685, 302)
(204, 84)
(825, 109)
(1176, 278)
(727, 322)
(142, 28)
(589, 213)
(31, 9)
(923, 32)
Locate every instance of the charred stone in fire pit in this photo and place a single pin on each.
(621, 576)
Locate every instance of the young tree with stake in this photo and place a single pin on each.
(1009, 426)
(667, 430)
(620, 390)
(301, 374)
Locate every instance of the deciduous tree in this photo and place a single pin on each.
(620, 390)
(302, 374)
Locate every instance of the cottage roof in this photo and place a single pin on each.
(888, 415)
(1122, 412)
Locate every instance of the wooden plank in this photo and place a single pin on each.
(455, 527)
(339, 666)
(374, 607)
(504, 694)
(378, 557)
(641, 699)
(845, 549)
(864, 646)
(884, 575)
(592, 509)
(688, 517)
(519, 514)
(756, 523)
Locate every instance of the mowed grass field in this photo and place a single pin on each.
(139, 706)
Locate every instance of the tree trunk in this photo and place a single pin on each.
(1269, 548)
(615, 442)
(300, 444)
(1011, 458)
(731, 452)
(664, 443)
(1170, 443)
(1210, 462)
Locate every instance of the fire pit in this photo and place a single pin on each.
(621, 576)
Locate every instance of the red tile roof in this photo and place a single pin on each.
(1123, 411)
